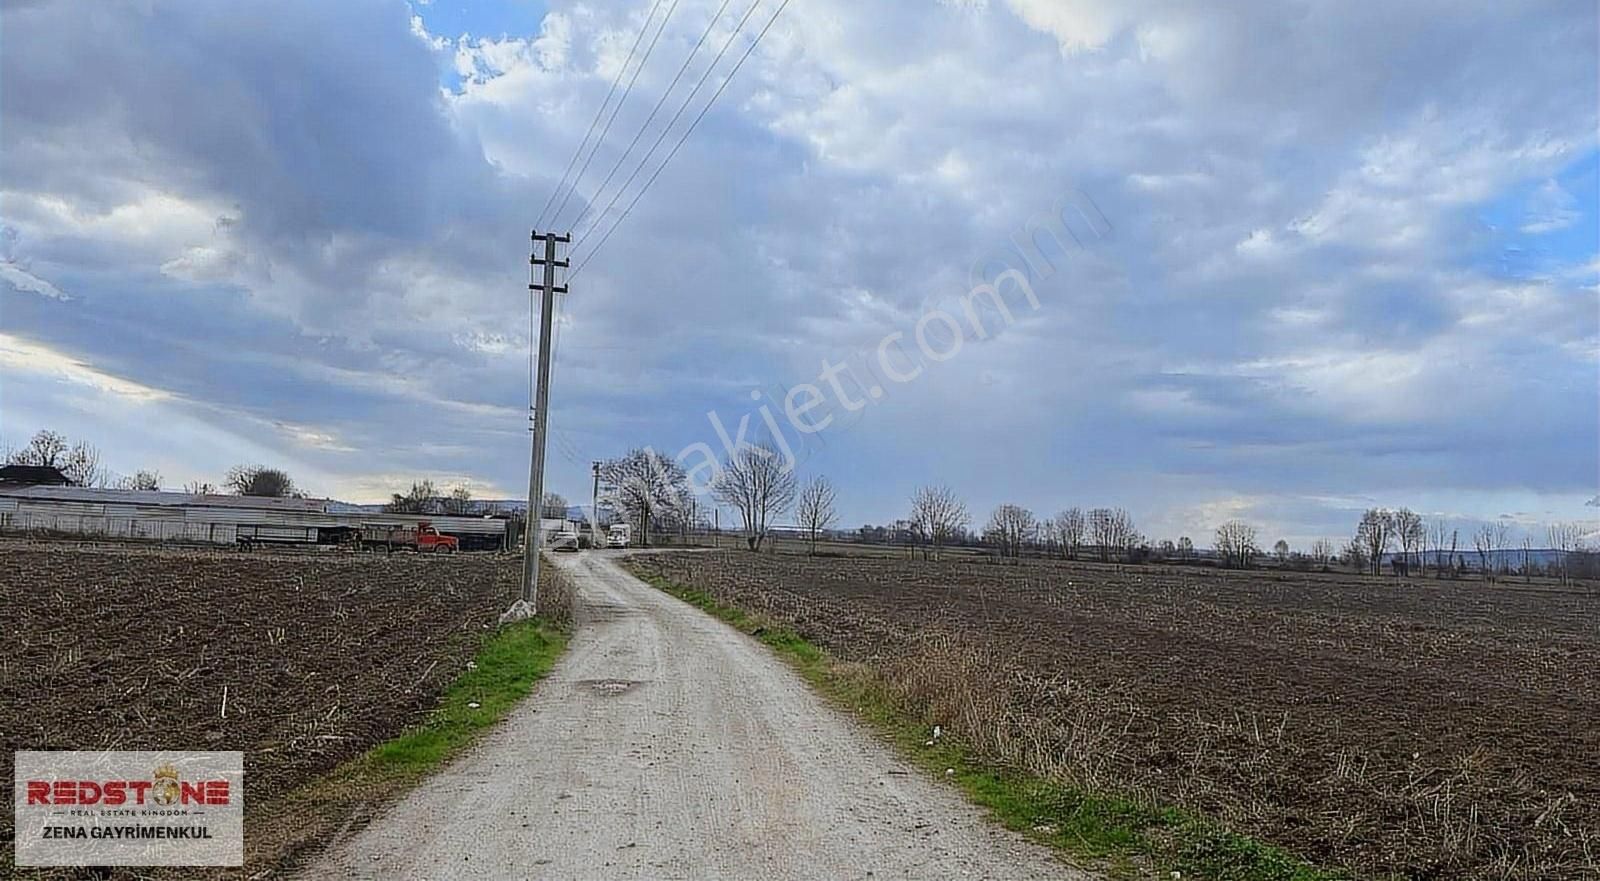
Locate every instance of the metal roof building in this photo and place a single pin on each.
(32, 475)
(175, 516)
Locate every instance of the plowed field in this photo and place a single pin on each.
(300, 661)
(1410, 728)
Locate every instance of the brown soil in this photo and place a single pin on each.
(321, 656)
(1400, 728)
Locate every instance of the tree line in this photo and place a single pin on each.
(1411, 543)
(652, 492)
(938, 519)
(1400, 538)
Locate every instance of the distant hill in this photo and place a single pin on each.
(1510, 558)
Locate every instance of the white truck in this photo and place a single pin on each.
(620, 535)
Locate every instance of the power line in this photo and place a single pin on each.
(667, 129)
(729, 78)
(710, 25)
(599, 112)
(616, 109)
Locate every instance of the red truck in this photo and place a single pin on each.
(422, 538)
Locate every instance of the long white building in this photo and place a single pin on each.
(208, 519)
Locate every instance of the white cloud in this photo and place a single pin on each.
(1258, 244)
(309, 436)
(1293, 195)
(420, 31)
(1078, 24)
(1550, 208)
(22, 356)
(23, 280)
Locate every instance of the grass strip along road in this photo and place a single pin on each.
(503, 673)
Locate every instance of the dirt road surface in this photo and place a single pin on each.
(668, 745)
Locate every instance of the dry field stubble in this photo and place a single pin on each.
(302, 661)
(1399, 728)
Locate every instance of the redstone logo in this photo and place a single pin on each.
(164, 789)
(114, 793)
(128, 808)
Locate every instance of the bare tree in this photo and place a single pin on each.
(79, 462)
(1100, 531)
(1069, 528)
(1355, 555)
(1322, 551)
(554, 506)
(815, 510)
(1374, 535)
(1280, 549)
(1113, 533)
(1490, 540)
(142, 480)
(259, 480)
(459, 502)
(1438, 535)
(1409, 532)
(83, 466)
(422, 498)
(1010, 527)
(200, 488)
(1236, 544)
(938, 516)
(1502, 540)
(1124, 535)
(757, 483)
(646, 486)
(1566, 539)
(1483, 543)
(47, 449)
(1185, 547)
(1048, 536)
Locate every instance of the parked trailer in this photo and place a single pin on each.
(248, 534)
(422, 538)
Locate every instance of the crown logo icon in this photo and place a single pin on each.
(167, 771)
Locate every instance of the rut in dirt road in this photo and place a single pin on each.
(668, 745)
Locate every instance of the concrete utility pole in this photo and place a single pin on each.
(527, 606)
(594, 508)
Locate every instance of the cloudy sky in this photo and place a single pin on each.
(1344, 254)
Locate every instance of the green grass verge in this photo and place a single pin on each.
(507, 667)
(293, 827)
(1125, 837)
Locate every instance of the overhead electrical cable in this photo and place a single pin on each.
(617, 80)
(589, 255)
(667, 129)
(595, 149)
(600, 191)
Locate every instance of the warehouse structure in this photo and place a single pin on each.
(220, 520)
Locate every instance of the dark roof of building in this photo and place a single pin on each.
(33, 475)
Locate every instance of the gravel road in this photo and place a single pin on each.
(668, 745)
